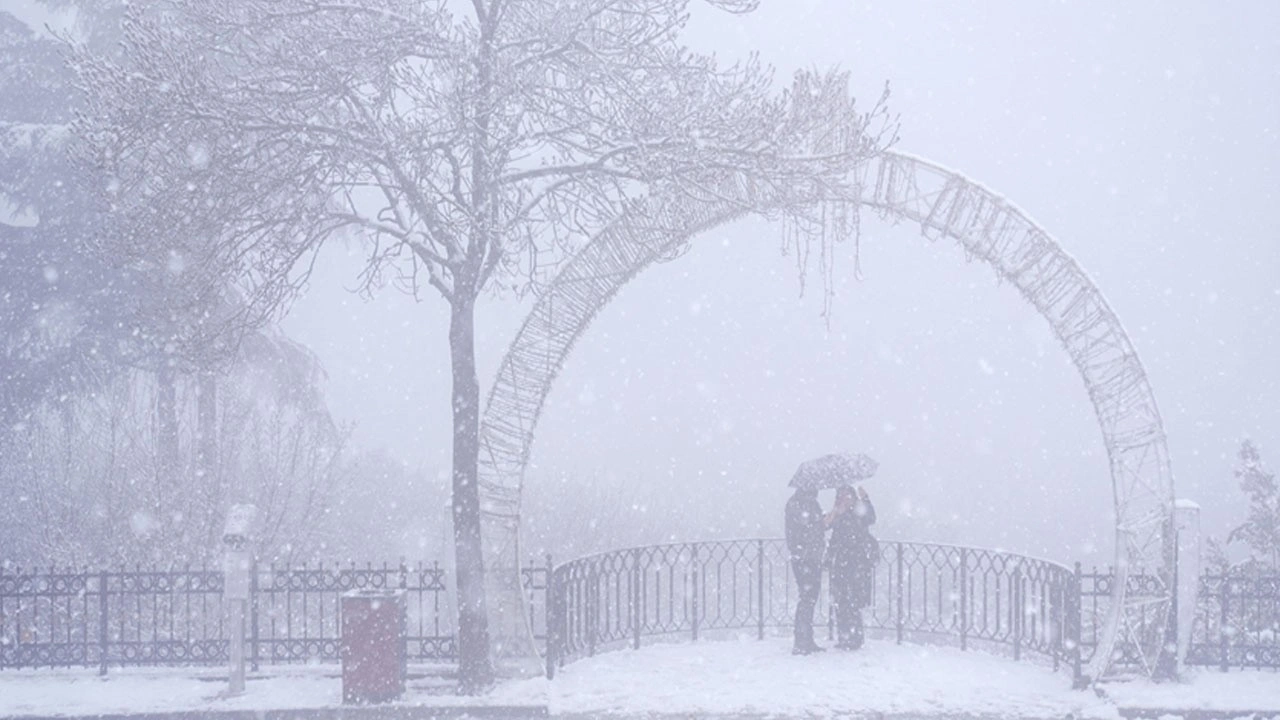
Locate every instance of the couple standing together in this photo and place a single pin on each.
(851, 555)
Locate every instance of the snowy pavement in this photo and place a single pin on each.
(762, 678)
(1204, 690)
(149, 691)
(737, 678)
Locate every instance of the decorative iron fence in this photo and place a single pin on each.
(1236, 625)
(68, 618)
(1237, 622)
(61, 617)
(921, 591)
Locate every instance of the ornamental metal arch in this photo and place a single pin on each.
(945, 204)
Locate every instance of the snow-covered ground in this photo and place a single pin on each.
(82, 692)
(763, 678)
(745, 677)
(1204, 689)
(137, 690)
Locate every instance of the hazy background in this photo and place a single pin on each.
(1142, 136)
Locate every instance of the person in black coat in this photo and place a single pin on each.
(853, 554)
(806, 543)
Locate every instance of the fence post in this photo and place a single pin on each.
(760, 588)
(1016, 609)
(636, 595)
(102, 622)
(253, 614)
(693, 581)
(1223, 633)
(898, 621)
(964, 599)
(1076, 634)
(1057, 611)
(590, 606)
(549, 618)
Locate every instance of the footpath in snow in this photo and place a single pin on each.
(751, 677)
(743, 678)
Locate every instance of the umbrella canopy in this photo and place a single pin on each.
(835, 470)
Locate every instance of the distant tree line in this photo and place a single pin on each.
(125, 360)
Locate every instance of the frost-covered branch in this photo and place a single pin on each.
(476, 151)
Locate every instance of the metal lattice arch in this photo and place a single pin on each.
(944, 204)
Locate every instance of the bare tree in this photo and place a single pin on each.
(472, 149)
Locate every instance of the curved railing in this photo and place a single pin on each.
(922, 592)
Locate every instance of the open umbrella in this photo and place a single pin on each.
(832, 471)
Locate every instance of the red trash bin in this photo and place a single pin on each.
(373, 645)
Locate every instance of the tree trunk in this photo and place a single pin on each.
(166, 431)
(208, 483)
(475, 671)
(68, 429)
(168, 484)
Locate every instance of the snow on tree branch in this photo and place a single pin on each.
(362, 117)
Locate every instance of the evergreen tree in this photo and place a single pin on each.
(62, 312)
(1260, 531)
(97, 344)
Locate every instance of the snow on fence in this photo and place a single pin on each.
(922, 592)
(61, 617)
(1237, 618)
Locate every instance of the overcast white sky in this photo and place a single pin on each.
(1142, 135)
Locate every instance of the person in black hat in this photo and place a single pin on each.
(806, 543)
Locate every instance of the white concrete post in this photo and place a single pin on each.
(1187, 521)
(237, 563)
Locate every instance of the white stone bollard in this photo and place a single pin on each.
(237, 564)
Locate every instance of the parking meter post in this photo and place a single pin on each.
(236, 653)
(237, 569)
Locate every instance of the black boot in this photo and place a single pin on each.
(858, 634)
(807, 649)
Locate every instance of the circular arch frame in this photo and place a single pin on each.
(944, 204)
